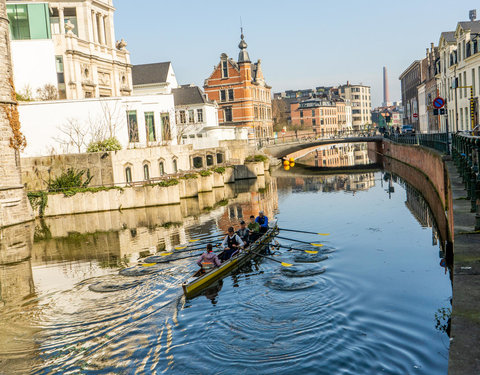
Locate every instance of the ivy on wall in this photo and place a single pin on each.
(18, 140)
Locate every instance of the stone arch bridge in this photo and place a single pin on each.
(301, 148)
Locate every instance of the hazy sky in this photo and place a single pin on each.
(302, 44)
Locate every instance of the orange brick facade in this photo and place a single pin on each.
(321, 117)
(243, 97)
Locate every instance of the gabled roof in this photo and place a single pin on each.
(449, 36)
(473, 26)
(186, 95)
(150, 73)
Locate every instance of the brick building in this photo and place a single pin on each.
(243, 97)
(318, 114)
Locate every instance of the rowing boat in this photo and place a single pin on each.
(193, 286)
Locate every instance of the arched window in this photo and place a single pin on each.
(209, 160)
(175, 166)
(146, 172)
(197, 162)
(128, 174)
(161, 167)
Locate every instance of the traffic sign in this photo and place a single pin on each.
(438, 102)
(415, 115)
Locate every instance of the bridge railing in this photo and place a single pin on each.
(309, 137)
(466, 155)
(437, 141)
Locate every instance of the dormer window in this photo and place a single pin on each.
(224, 69)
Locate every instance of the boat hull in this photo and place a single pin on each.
(195, 287)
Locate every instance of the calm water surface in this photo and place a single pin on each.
(366, 304)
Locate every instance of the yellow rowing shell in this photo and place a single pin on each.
(195, 286)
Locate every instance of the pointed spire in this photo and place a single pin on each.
(243, 55)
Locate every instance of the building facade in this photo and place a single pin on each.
(410, 79)
(243, 96)
(320, 115)
(74, 47)
(361, 102)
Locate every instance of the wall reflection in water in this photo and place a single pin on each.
(338, 155)
(328, 183)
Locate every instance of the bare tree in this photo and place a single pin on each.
(73, 135)
(279, 114)
(47, 92)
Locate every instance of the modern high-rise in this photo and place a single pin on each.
(361, 102)
(73, 46)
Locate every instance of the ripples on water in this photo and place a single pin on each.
(353, 311)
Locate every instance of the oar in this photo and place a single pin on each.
(171, 260)
(275, 260)
(308, 243)
(187, 245)
(164, 253)
(304, 231)
(204, 238)
(292, 248)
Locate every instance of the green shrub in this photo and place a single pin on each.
(189, 176)
(38, 199)
(109, 144)
(169, 182)
(253, 158)
(71, 178)
(73, 191)
(205, 173)
(220, 170)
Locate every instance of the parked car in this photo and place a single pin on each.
(406, 129)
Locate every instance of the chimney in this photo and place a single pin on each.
(386, 96)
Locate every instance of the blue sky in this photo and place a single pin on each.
(301, 43)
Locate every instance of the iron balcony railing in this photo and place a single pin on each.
(437, 141)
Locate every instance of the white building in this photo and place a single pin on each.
(361, 102)
(156, 78)
(67, 126)
(422, 109)
(73, 46)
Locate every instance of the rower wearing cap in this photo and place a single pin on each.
(243, 232)
(262, 220)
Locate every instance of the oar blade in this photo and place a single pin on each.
(286, 264)
(324, 234)
(316, 244)
(311, 251)
(165, 254)
(148, 264)
(193, 240)
(180, 247)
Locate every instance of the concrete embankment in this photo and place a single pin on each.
(127, 197)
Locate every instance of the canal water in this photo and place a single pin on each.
(374, 300)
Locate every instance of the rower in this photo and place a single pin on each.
(244, 233)
(208, 260)
(254, 229)
(263, 221)
(231, 245)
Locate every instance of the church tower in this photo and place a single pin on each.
(14, 207)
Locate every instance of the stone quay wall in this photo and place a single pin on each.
(147, 195)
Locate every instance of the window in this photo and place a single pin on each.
(255, 111)
(465, 84)
(219, 158)
(29, 21)
(313, 113)
(60, 77)
(54, 21)
(228, 114)
(301, 122)
(146, 172)
(209, 160)
(191, 116)
(197, 162)
(224, 69)
(175, 167)
(200, 115)
(230, 94)
(161, 168)
(70, 15)
(473, 82)
(166, 131)
(301, 114)
(314, 122)
(223, 96)
(150, 127)
(183, 118)
(132, 126)
(128, 175)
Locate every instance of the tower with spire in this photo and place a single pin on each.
(243, 97)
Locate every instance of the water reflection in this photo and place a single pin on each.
(359, 307)
(338, 155)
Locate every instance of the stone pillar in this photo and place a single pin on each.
(61, 20)
(101, 37)
(14, 207)
(95, 28)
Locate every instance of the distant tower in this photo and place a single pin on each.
(386, 96)
(472, 15)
